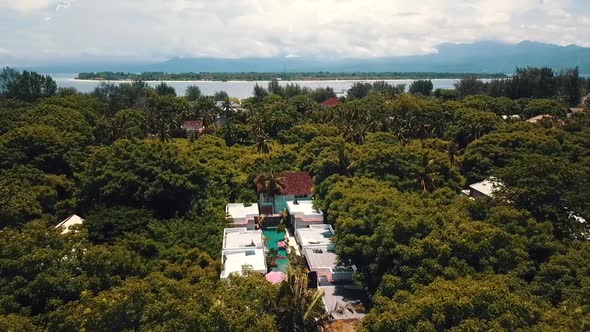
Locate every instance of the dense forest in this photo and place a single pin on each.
(289, 76)
(388, 169)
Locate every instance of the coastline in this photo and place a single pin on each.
(238, 88)
(280, 76)
(266, 81)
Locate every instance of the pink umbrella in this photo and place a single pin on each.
(282, 244)
(275, 277)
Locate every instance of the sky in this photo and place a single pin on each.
(45, 31)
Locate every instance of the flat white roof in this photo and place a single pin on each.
(69, 222)
(487, 187)
(234, 261)
(315, 235)
(321, 257)
(304, 210)
(241, 238)
(241, 213)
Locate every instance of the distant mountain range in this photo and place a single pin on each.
(479, 57)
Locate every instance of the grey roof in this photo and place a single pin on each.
(232, 105)
(318, 257)
(240, 238)
(315, 235)
(487, 187)
(343, 302)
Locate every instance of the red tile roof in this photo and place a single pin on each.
(331, 102)
(192, 124)
(295, 183)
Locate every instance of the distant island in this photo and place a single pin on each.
(289, 76)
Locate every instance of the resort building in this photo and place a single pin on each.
(315, 235)
(228, 106)
(241, 248)
(240, 238)
(541, 118)
(331, 102)
(484, 189)
(344, 302)
(68, 223)
(575, 110)
(242, 215)
(487, 190)
(303, 214)
(342, 299)
(511, 117)
(193, 126)
(296, 186)
(323, 260)
(223, 108)
(320, 254)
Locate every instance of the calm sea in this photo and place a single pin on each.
(239, 89)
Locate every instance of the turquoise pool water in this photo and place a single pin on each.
(274, 238)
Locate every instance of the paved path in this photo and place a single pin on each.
(293, 243)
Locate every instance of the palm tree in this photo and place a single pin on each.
(454, 153)
(209, 119)
(260, 223)
(344, 164)
(475, 130)
(262, 144)
(164, 117)
(299, 307)
(270, 184)
(428, 175)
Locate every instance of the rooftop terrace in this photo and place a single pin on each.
(315, 235)
(241, 238)
(234, 261)
(487, 187)
(240, 213)
(304, 210)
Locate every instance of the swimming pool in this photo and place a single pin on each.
(274, 238)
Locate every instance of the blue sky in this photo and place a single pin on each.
(45, 31)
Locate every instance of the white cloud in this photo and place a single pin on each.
(26, 5)
(246, 28)
(64, 4)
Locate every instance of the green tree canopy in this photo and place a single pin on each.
(192, 93)
(26, 86)
(164, 89)
(140, 174)
(423, 87)
(489, 303)
(108, 224)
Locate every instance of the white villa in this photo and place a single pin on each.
(246, 247)
(488, 188)
(314, 235)
(304, 214)
(69, 222)
(484, 189)
(242, 247)
(341, 297)
(319, 251)
(241, 215)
